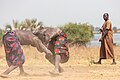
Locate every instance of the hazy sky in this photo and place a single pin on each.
(59, 12)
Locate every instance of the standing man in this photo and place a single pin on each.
(106, 49)
(14, 53)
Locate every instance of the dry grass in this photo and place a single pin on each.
(82, 55)
(79, 67)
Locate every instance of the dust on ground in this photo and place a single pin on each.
(79, 67)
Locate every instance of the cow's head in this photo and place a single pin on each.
(46, 34)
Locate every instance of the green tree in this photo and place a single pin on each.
(78, 33)
(1, 35)
(115, 29)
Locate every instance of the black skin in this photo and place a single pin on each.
(104, 34)
(105, 17)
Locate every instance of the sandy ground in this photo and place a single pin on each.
(79, 66)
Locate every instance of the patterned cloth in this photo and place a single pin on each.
(61, 46)
(14, 53)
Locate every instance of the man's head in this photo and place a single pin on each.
(8, 29)
(105, 16)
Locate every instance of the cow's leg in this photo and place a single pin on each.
(51, 59)
(40, 46)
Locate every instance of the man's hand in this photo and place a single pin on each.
(101, 30)
(100, 39)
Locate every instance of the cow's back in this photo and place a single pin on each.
(25, 37)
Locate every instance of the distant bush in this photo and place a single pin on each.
(1, 34)
(78, 33)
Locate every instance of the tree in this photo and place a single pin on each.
(27, 24)
(97, 28)
(115, 29)
(1, 34)
(78, 33)
(8, 26)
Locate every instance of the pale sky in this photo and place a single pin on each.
(59, 12)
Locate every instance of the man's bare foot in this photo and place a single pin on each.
(4, 75)
(23, 74)
(54, 72)
(97, 62)
(113, 63)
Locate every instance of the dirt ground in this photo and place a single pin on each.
(79, 67)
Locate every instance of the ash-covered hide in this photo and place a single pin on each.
(47, 34)
(25, 37)
(28, 38)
